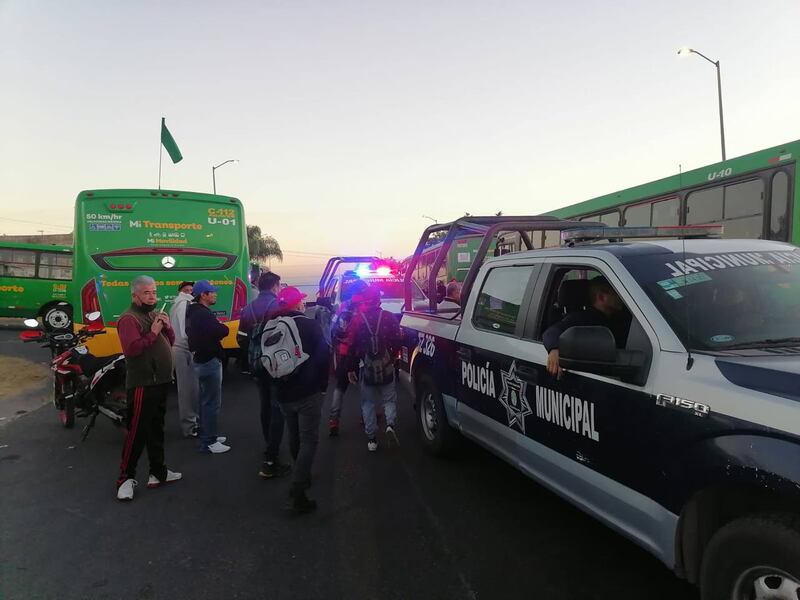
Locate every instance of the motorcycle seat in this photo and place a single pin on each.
(91, 364)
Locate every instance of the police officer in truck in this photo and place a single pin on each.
(604, 308)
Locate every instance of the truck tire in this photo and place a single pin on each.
(753, 557)
(438, 438)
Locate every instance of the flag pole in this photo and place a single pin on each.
(160, 153)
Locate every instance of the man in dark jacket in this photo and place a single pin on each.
(204, 334)
(374, 337)
(260, 311)
(146, 337)
(300, 397)
(605, 306)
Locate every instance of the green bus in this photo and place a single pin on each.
(35, 281)
(752, 196)
(171, 236)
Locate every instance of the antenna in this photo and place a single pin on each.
(689, 357)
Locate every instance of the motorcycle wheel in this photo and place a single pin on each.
(67, 413)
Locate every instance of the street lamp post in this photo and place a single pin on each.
(686, 52)
(213, 174)
(431, 218)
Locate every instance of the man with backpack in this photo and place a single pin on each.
(254, 317)
(373, 339)
(295, 356)
(339, 328)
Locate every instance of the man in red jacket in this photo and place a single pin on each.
(146, 337)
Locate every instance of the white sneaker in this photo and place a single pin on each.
(222, 439)
(372, 445)
(154, 482)
(125, 491)
(218, 448)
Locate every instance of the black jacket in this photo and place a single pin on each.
(204, 333)
(312, 376)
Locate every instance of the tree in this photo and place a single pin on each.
(262, 247)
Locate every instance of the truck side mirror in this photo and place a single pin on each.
(593, 349)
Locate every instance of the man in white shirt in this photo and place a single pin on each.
(185, 377)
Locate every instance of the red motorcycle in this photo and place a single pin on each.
(83, 385)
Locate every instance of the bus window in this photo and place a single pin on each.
(666, 213)
(704, 206)
(17, 263)
(552, 239)
(55, 266)
(637, 216)
(739, 207)
(610, 218)
(778, 220)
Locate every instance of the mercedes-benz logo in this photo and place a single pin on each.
(168, 262)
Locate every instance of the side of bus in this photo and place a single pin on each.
(35, 281)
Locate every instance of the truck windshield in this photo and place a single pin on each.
(725, 301)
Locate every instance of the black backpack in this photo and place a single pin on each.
(378, 363)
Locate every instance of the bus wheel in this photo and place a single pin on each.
(753, 557)
(438, 438)
(58, 316)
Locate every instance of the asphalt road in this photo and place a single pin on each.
(393, 524)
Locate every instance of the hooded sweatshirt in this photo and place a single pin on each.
(177, 316)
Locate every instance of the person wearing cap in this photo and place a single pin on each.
(299, 396)
(204, 333)
(256, 313)
(185, 378)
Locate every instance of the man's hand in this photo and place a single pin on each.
(553, 366)
(352, 377)
(157, 326)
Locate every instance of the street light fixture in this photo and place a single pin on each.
(686, 51)
(213, 169)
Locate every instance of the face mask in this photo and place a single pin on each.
(147, 307)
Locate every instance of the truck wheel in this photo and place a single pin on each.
(753, 558)
(438, 438)
(57, 317)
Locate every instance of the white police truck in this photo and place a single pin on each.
(676, 423)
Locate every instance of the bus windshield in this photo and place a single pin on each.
(725, 301)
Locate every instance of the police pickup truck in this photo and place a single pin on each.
(674, 414)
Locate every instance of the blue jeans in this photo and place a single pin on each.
(378, 394)
(209, 375)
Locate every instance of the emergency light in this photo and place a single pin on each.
(616, 234)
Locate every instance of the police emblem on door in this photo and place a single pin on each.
(514, 399)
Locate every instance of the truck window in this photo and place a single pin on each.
(569, 292)
(501, 296)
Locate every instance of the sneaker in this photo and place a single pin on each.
(372, 445)
(218, 448)
(392, 435)
(125, 491)
(154, 482)
(333, 427)
(273, 469)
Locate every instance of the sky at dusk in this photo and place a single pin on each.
(353, 119)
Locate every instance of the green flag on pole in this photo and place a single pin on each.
(169, 143)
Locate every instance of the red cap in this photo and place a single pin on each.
(290, 296)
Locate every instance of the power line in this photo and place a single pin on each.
(35, 223)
